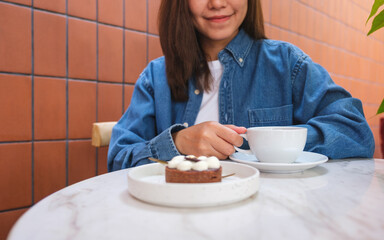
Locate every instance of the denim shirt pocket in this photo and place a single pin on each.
(276, 116)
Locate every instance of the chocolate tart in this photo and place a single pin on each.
(173, 175)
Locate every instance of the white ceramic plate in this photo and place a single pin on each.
(305, 161)
(147, 183)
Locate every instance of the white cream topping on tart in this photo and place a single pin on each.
(202, 158)
(175, 161)
(184, 166)
(213, 162)
(200, 166)
(186, 163)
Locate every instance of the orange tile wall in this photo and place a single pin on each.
(65, 64)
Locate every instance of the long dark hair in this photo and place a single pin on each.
(184, 56)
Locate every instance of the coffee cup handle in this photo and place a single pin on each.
(243, 150)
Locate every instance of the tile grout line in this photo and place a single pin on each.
(123, 77)
(15, 209)
(146, 34)
(45, 141)
(66, 95)
(97, 60)
(97, 79)
(63, 78)
(33, 104)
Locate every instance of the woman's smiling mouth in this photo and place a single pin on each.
(219, 18)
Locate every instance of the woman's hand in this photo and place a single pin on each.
(209, 139)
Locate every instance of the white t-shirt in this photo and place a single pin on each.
(209, 109)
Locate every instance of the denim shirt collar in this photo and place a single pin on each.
(239, 48)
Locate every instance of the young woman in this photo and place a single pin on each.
(220, 75)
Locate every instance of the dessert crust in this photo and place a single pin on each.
(173, 175)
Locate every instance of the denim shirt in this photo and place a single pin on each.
(264, 83)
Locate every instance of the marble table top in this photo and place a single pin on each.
(340, 199)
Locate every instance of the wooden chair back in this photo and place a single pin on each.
(101, 133)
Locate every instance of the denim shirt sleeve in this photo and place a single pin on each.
(135, 138)
(334, 119)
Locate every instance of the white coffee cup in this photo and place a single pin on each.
(275, 144)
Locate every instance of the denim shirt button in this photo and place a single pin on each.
(226, 117)
(225, 84)
(197, 91)
(241, 60)
(185, 124)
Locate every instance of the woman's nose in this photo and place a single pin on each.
(217, 4)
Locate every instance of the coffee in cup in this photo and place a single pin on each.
(275, 144)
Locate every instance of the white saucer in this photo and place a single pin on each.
(147, 183)
(305, 161)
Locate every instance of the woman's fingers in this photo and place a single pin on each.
(230, 135)
(239, 130)
(209, 139)
(223, 147)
